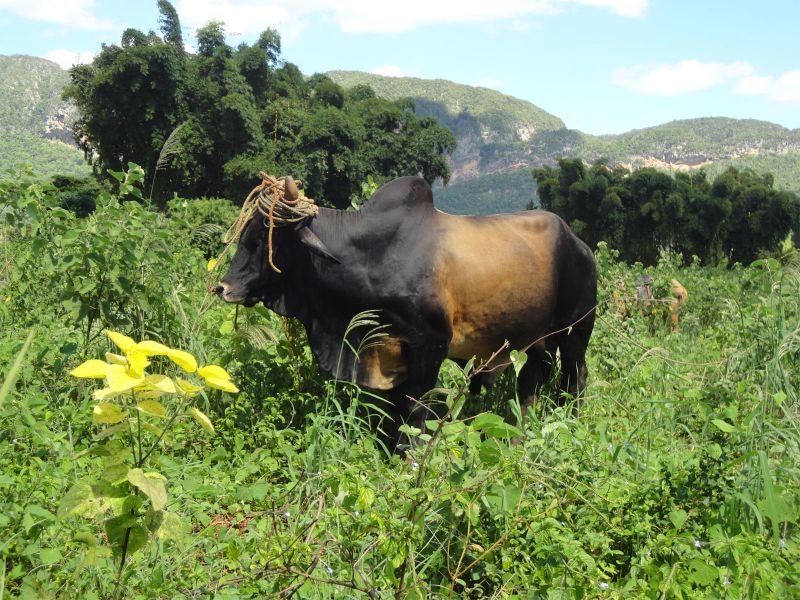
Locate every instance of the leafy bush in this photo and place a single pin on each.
(678, 478)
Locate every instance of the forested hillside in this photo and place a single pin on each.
(499, 134)
(34, 120)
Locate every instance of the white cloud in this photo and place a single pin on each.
(679, 78)
(785, 88)
(389, 71)
(625, 8)
(370, 16)
(75, 13)
(68, 58)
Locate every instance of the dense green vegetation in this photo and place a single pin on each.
(506, 192)
(209, 123)
(736, 217)
(679, 477)
(46, 157)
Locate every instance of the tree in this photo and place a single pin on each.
(241, 111)
(170, 24)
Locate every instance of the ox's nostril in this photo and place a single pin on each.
(218, 290)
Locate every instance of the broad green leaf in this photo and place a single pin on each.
(152, 485)
(157, 431)
(723, 425)
(167, 526)
(91, 369)
(123, 342)
(116, 529)
(50, 556)
(201, 418)
(85, 499)
(678, 518)
(703, 573)
(116, 473)
(221, 384)
(152, 408)
(109, 431)
(518, 360)
(107, 414)
(365, 498)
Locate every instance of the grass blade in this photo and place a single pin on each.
(13, 373)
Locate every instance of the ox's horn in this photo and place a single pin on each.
(316, 245)
(290, 190)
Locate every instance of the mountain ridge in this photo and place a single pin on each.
(497, 134)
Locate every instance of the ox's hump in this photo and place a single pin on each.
(404, 192)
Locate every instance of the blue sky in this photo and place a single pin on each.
(603, 66)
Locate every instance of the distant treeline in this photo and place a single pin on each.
(738, 216)
(206, 124)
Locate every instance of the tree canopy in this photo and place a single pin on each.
(230, 113)
(737, 216)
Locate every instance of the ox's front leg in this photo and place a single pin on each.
(407, 400)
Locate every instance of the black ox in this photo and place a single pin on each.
(446, 286)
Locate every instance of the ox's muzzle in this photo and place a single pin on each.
(228, 294)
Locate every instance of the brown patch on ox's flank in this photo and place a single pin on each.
(382, 366)
(495, 278)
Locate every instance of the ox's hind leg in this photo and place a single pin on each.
(534, 374)
(572, 348)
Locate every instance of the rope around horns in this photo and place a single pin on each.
(277, 200)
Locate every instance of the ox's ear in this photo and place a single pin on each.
(316, 245)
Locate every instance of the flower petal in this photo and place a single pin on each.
(91, 369)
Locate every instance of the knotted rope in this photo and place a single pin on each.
(279, 202)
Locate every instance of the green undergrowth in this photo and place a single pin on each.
(677, 477)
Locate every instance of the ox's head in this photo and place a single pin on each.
(251, 278)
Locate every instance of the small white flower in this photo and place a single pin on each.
(14, 441)
(726, 581)
(610, 447)
(357, 513)
(604, 585)
(414, 466)
(698, 544)
(329, 570)
(782, 543)
(286, 515)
